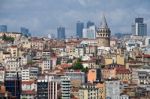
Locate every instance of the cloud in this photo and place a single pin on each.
(46, 15)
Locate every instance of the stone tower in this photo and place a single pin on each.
(103, 34)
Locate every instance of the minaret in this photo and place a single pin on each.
(103, 34)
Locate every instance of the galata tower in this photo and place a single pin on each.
(103, 34)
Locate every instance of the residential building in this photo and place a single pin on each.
(147, 41)
(112, 88)
(2, 74)
(65, 87)
(37, 43)
(94, 75)
(88, 91)
(28, 89)
(101, 90)
(76, 77)
(29, 73)
(47, 88)
(13, 85)
(13, 50)
(46, 65)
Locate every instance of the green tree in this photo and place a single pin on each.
(69, 61)
(78, 66)
(58, 62)
(7, 38)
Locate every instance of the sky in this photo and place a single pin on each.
(42, 17)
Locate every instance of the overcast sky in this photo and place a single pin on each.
(42, 17)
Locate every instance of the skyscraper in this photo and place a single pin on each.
(79, 28)
(139, 27)
(61, 33)
(89, 23)
(3, 28)
(25, 31)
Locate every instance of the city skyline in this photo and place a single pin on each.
(42, 18)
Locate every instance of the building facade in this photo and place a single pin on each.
(65, 87)
(79, 29)
(88, 91)
(139, 27)
(61, 33)
(112, 89)
(25, 31)
(47, 88)
(3, 28)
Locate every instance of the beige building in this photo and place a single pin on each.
(118, 59)
(88, 91)
(102, 90)
(37, 43)
(103, 34)
(13, 50)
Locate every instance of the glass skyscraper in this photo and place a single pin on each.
(139, 28)
(25, 31)
(61, 33)
(89, 23)
(79, 29)
(3, 28)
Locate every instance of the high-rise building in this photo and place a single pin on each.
(79, 29)
(90, 32)
(13, 85)
(89, 23)
(47, 88)
(61, 33)
(25, 31)
(65, 87)
(139, 27)
(103, 34)
(3, 28)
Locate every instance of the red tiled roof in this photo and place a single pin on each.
(122, 71)
(31, 92)
(28, 82)
(65, 65)
(145, 56)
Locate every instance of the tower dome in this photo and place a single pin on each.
(103, 34)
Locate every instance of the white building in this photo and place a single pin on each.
(79, 51)
(112, 89)
(131, 44)
(29, 89)
(90, 32)
(147, 41)
(29, 73)
(2, 74)
(46, 65)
